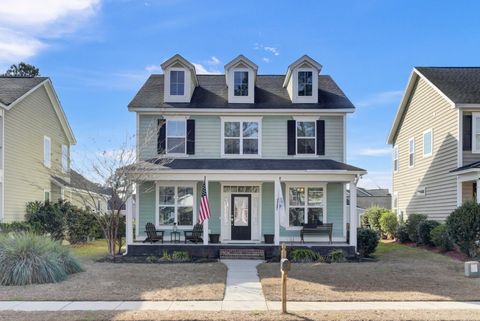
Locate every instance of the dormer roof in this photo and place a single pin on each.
(179, 61)
(241, 59)
(302, 62)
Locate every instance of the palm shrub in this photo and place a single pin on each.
(463, 226)
(367, 241)
(28, 258)
(401, 234)
(388, 223)
(423, 232)
(412, 224)
(440, 238)
(304, 255)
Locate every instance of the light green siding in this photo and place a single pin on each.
(24, 173)
(268, 208)
(207, 136)
(146, 210)
(335, 207)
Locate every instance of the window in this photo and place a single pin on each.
(47, 151)
(175, 205)
(411, 152)
(306, 205)
(305, 83)
(176, 136)
(65, 166)
(240, 83)
(177, 82)
(427, 143)
(476, 132)
(306, 133)
(46, 196)
(241, 137)
(395, 158)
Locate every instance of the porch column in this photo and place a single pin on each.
(276, 237)
(353, 213)
(129, 221)
(205, 223)
(478, 190)
(459, 192)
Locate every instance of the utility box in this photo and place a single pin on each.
(472, 269)
(285, 265)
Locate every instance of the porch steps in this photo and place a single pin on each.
(242, 254)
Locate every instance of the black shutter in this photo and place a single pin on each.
(320, 137)
(162, 136)
(291, 136)
(190, 136)
(467, 132)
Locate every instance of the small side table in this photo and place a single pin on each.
(175, 237)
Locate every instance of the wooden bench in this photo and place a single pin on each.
(319, 229)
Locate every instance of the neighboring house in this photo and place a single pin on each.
(366, 198)
(435, 139)
(35, 140)
(242, 131)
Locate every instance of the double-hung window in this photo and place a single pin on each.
(476, 132)
(46, 196)
(240, 83)
(306, 137)
(177, 82)
(241, 137)
(176, 205)
(411, 152)
(305, 83)
(427, 143)
(306, 205)
(65, 165)
(47, 151)
(176, 136)
(395, 158)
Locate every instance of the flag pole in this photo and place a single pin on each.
(205, 223)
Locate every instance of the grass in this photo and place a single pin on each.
(93, 250)
(401, 273)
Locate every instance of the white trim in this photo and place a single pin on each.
(296, 99)
(344, 137)
(395, 158)
(306, 120)
(459, 192)
(250, 97)
(137, 210)
(65, 159)
(474, 133)
(2, 214)
(411, 151)
(47, 163)
(345, 217)
(298, 62)
(431, 142)
(395, 197)
(177, 184)
(305, 185)
(240, 111)
(460, 138)
(241, 120)
(187, 89)
(175, 119)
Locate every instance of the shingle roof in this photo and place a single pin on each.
(460, 84)
(78, 181)
(258, 164)
(474, 165)
(12, 88)
(212, 92)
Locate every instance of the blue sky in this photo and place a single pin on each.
(98, 53)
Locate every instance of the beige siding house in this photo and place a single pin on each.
(35, 146)
(434, 166)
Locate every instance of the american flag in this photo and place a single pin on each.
(204, 208)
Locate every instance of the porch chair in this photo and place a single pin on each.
(196, 235)
(153, 235)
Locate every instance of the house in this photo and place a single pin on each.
(367, 198)
(241, 131)
(435, 140)
(35, 139)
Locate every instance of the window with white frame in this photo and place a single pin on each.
(306, 205)
(176, 136)
(306, 137)
(241, 137)
(177, 82)
(411, 152)
(305, 83)
(427, 143)
(175, 205)
(395, 158)
(476, 132)
(65, 165)
(47, 151)
(240, 83)
(46, 195)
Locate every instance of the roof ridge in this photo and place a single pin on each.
(449, 67)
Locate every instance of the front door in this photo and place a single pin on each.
(241, 217)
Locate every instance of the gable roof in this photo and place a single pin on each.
(305, 59)
(178, 58)
(212, 92)
(245, 60)
(79, 182)
(14, 89)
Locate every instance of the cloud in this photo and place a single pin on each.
(202, 70)
(265, 59)
(26, 27)
(384, 151)
(153, 68)
(381, 99)
(376, 179)
(213, 61)
(269, 49)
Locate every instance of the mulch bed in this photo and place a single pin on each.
(143, 259)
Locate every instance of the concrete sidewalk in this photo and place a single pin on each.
(226, 306)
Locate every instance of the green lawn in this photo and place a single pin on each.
(93, 250)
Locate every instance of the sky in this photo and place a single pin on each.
(99, 53)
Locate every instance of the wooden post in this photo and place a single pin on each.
(284, 280)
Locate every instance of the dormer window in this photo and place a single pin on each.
(240, 83)
(177, 82)
(305, 83)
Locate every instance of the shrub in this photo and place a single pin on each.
(80, 224)
(402, 233)
(27, 258)
(46, 218)
(364, 220)
(367, 241)
(166, 256)
(423, 232)
(336, 256)
(15, 227)
(388, 223)
(304, 255)
(440, 238)
(412, 224)
(151, 259)
(374, 213)
(180, 256)
(463, 226)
